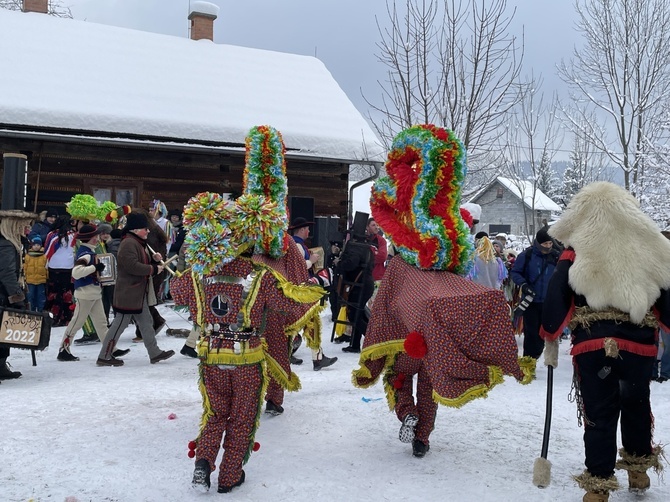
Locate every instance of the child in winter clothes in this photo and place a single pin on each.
(35, 268)
(87, 291)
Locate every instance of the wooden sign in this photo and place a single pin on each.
(24, 329)
(320, 263)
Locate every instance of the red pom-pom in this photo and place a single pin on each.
(191, 453)
(415, 345)
(126, 209)
(257, 446)
(108, 217)
(399, 381)
(192, 445)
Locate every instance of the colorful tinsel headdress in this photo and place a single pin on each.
(417, 204)
(218, 230)
(159, 208)
(265, 176)
(111, 213)
(83, 207)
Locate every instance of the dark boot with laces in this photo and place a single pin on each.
(419, 448)
(201, 474)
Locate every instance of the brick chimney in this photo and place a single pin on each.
(36, 6)
(202, 18)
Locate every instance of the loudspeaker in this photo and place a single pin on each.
(301, 206)
(325, 231)
(360, 223)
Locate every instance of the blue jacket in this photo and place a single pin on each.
(537, 272)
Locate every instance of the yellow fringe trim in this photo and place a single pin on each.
(265, 381)
(390, 391)
(387, 350)
(311, 323)
(274, 369)
(301, 293)
(250, 300)
(199, 292)
(207, 412)
(527, 365)
(475, 392)
(228, 356)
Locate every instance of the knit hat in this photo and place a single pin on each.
(542, 236)
(117, 233)
(174, 212)
(87, 232)
(105, 228)
(135, 221)
(36, 240)
(51, 212)
(481, 234)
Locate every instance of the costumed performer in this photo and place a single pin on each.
(232, 297)
(265, 175)
(614, 307)
(427, 319)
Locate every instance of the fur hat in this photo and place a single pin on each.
(87, 232)
(604, 273)
(542, 236)
(135, 221)
(475, 211)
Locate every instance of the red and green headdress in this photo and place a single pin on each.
(265, 176)
(417, 203)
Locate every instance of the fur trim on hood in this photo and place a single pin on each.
(621, 258)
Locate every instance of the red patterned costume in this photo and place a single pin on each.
(427, 320)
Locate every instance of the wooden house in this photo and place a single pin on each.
(131, 116)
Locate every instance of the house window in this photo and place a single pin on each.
(499, 193)
(121, 194)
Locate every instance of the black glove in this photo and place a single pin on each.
(526, 290)
(100, 267)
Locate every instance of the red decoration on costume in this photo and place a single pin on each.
(467, 217)
(126, 209)
(191, 453)
(399, 381)
(415, 345)
(192, 445)
(257, 446)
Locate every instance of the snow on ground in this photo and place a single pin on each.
(78, 432)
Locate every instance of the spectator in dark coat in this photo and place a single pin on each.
(134, 291)
(355, 265)
(531, 272)
(42, 227)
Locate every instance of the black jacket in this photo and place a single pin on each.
(10, 267)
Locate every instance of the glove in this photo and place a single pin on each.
(551, 353)
(100, 267)
(526, 290)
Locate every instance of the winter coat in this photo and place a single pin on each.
(177, 239)
(537, 272)
(355, 265)
(134, 271)
(112, 246)
(35, 267)
(489, 274)
(381, 254)
(10, 267)
(40, 229)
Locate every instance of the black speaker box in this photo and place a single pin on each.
(301, 206)
(325, 230)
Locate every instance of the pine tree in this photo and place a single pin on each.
(547, 179)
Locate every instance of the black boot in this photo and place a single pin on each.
(201, 475)
(419, 449)
(6, 373)
(226, 489)
(188, 351)
(273, 409)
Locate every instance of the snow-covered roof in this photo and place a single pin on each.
(519, 187)
(74, 75)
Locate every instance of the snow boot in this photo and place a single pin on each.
(226, 489)
(109, 362)
(165, 354)
(406, 433)
(5, 372)
(638, 482)
(597, 489)
(87, 339)
(66, 355)
(637, 465)
(201, 474)
(419, 448)
(188, 351)
(273, 409)
(323, 362)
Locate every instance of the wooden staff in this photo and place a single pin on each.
(164, 263)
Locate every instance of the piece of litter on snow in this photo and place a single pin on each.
(172, 416)
(370, 399)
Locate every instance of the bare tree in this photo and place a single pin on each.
(452, 63)
(622, 74)
(532, 138)
(56, 7)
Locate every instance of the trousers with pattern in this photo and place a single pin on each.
(234, 399)
(424, 408)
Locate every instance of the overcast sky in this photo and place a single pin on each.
(342, 33)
